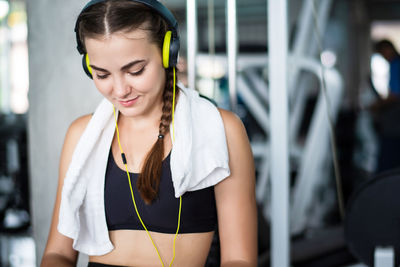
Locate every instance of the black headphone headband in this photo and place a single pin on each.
(154, 4)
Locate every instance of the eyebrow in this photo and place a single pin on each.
(123, 68)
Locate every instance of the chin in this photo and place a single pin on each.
(130, 112)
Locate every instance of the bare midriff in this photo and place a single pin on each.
(134, 248)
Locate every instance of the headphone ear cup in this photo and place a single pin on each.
(86, 66)
(166, 49)
(170, 50)
(174, 51)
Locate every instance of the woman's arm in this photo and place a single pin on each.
(59, 251)
(235, 199)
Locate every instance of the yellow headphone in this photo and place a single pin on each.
(171, 43)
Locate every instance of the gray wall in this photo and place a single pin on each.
(59, 92)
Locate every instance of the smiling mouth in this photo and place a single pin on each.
(129, 102)
(129, 99)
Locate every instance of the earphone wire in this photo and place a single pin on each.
(130, 184)
(173, 107)
(173, 139)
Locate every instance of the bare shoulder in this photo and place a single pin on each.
(82, 121)
(77, 127)
(232, 122)
(74, 133)
(234, 130)
(239, 149)
(229, 118)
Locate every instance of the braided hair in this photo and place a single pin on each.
(149, 178)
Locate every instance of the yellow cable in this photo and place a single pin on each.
(173, 109)
(177, 230)
(173, 138)
(130, 186)
(134, 202)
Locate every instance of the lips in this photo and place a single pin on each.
(128, 103)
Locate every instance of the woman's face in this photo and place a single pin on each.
(127, 70)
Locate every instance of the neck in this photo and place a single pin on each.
(150, 119)
(139, 123)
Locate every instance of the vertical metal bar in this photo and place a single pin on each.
(304, 26)
(191, 18)
(211, 28)
(232, 48)
(211, 42)
(13, 164)
(324, 7)
(5, 86)
(278, 50)
(4, 251)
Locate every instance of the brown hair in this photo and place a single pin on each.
(111, 16)
(384, 44)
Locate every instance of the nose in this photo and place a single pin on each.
(120, 87)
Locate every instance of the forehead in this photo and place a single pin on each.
(135, 43)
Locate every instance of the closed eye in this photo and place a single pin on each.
(137, 72)
(102, 77)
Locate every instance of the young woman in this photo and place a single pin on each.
(145, 180)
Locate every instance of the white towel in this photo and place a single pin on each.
(199, 159)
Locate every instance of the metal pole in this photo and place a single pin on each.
(5, 86)
(278, 50)
(301, 41)
(232, 48)
(211, 28)
(191, 19)
(211, 42)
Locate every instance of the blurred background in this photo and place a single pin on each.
(342, 97)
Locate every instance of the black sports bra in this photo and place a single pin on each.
(198, 207)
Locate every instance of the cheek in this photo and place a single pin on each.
(104, 87)
(150, 81)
